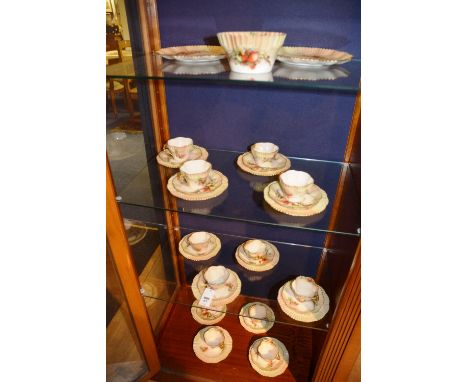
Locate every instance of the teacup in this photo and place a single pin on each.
(216, 276)
(255, 248)
(257, 311)
(295, 184)
(263, 152)
(180, 147)
(196, 172)
(304, 288)
(214, 337)
(199, 240)
(268, 349)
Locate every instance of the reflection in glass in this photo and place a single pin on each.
(124, 358)
(195, 68)
(310, 74)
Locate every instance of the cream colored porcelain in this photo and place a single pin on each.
(167, 159)
(212, 344)
(264, 152)
(304, 288)
(199, 240)
(251, 52)
(295, 184)
(255, 248)
(299, 303)
(216, 276)
(309, 306)
(258, 311)
(213, 337)
(268, 357)
(268, 349)
(312, 57)
(193, 53)
(180, 147)
(196, 172)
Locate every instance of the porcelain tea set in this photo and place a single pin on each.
(225, 283)
(199, 246)
(212, 344)
(179, 150)
(206, 316)
(296, 194)
(303, 300)
(268, 357)
(196, 179)
(263, 159)
(252, 54)
(257, 255)
(256, 317)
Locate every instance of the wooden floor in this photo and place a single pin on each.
(179, 362)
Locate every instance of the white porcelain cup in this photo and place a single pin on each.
(199, 240)
(257, 311)
(295, 184)
(213, 337)
(196, 172)
(304, 288)
(255, 248)
(180, 147)
(268, 349)
(216, 276)
(263, 152)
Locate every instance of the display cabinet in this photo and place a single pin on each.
(314, 118)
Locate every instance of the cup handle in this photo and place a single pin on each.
(168, 152)
(183, 178)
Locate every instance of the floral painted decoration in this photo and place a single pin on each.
(249, 57)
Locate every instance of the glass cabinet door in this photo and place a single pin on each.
(124, 357)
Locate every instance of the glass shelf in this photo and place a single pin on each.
(256, 286)
(343, 78)
(243, 200)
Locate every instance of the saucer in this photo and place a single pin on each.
(265, 263)
(193, 53)
(278, 165)
(275, 197)
(207, 316)
(190, 253)
(286, 301)
(224, 295)
(273, 371)
(312, 57)
(202, 350)
(165, 158)
(254, 325)
(217, 184)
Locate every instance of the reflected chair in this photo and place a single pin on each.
(131, 91)
(114, 87)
